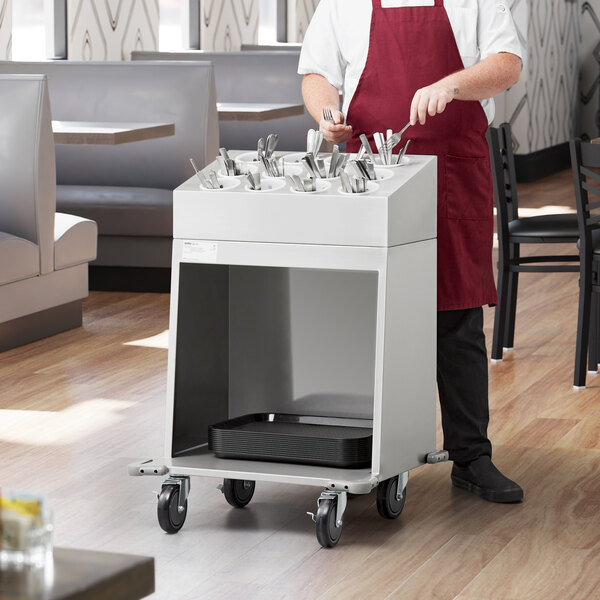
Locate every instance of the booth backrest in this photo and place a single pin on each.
(252, 76)
(181, 93)
(27, 168)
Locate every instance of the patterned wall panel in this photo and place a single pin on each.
(542, 108)
(110, 29)
(300, 13)
(588, 124)
(227, 24)
(5, 29)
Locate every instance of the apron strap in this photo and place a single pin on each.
(439, 3)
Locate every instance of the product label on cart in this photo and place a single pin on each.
(199, 252)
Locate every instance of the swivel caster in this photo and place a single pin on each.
(238, 492)
(172, 504)
(331, 506)
(391, 496)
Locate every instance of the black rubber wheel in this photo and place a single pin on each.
(169, 517)
(387, 504)
(328, 533)
(238, 492)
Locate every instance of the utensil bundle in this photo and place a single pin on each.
(308, 184)
(253, 179)
(362, 168)
(265, 148)
(317, 168)
(353, 184)
(385, 145)
(314, 139)
(273, 167)
(209, 181)
(228, 165)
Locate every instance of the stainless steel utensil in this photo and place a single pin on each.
(365, 144)
(298, 183)
(201, 178)
(214, 180)
(327, 115)
(402, 153)
(309, 166)
(272, 140)
(260, 149)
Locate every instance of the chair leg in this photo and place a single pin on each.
(500, 313)
(583, 328)
(511, 312)
(594, 328)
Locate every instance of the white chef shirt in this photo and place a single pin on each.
(336, 43)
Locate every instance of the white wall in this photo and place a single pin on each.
(5, 29)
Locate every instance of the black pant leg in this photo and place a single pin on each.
(462, 377)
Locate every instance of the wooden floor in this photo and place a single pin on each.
(75, 409)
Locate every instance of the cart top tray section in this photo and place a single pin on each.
(400, 208)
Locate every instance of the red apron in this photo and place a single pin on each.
(410, 48)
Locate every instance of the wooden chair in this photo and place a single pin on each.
(585, 160)
(514, 231)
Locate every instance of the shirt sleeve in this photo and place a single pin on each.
(321, 52)
(496, 30)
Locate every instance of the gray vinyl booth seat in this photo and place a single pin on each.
(128, 188)
(253, 76)
(44, 255)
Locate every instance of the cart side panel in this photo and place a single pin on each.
(201, 387)
(406, 416)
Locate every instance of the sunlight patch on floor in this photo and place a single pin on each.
(160, 340)
(41, 428)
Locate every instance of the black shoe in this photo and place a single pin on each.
(483, 479)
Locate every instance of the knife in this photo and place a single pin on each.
(346, 182)
(333, 163)
(260, 148)
(367, 146)
(378, 137)
(223, 152)
(272, 140)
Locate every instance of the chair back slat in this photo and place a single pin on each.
(591, 189)
(584, 158)
(595, 205)
(590, 174)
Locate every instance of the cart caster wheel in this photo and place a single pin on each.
(170, 518)
(388, 506)
(238, 492)
(328, 533)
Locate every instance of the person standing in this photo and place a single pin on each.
(437, 63)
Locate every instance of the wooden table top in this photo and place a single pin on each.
(253, 111)
(89, 132)
(82, 575)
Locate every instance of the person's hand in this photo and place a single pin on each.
(336, 133)
(431, 100)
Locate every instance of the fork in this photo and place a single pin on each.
(328, 116)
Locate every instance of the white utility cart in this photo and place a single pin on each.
(309, 313)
